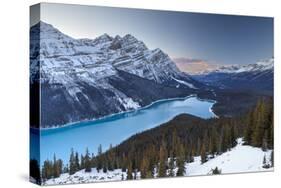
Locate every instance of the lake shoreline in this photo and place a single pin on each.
(73, 124)
(97, 120)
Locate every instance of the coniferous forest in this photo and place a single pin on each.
(158, 151)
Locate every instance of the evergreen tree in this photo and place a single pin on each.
(249, 127)
(130, 171)
(77, 162)
(66, 169)
(214, 142)
(203, 154)
(55, 172)
(57, 166)
(265, 164)
(124, 163)
(47, 169)
(270, 128)
(82, 162)
(60, 166)
(225, 138)
(116, 164)
(198, 146)
(99, 159)
(265, 141)
(216, 171)
(104, 169)
(99, 150)
(180, 161)
(72, 167)
(260, 123)
(111, 159)
(175, 141)
(144, 168)
(162, 165)
(232, 137)
(264, 161)
(87, 161)
(259, 132)
(93, 160)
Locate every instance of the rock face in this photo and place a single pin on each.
(83, 79)
(256, 77)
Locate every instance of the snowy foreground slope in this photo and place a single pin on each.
(241, 158)
(84, 177)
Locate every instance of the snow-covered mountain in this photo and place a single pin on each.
(257, 77)
(260, 66)
(89, 78)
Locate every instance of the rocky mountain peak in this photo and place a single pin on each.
(259, 66)
(103, 38)
(100, 76)
(129, 37)
(49, 32)
(63, 54)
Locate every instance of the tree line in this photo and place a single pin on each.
(164, 150)
(259, 125)
(52, 168)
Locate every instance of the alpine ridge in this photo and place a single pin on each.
(83, 79)
(256, 77)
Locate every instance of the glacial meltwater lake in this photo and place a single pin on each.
(114, 129)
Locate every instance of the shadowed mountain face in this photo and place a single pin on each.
(85, 79)
(256, 78)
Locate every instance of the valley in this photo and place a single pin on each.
(110, 108)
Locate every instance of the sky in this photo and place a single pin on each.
(218, 39)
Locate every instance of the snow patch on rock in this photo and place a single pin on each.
(185, 83)
(128, 103)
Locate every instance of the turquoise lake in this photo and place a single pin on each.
(114, 129)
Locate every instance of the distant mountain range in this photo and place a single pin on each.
(82, 79)
(257, 77)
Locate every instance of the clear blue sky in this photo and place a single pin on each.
(217, 38)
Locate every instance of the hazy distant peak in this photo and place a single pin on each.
(193, 65)
(187, 60)
(261, 65)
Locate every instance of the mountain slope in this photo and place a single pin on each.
(241, 158)
(256, 77)
(84, 79)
